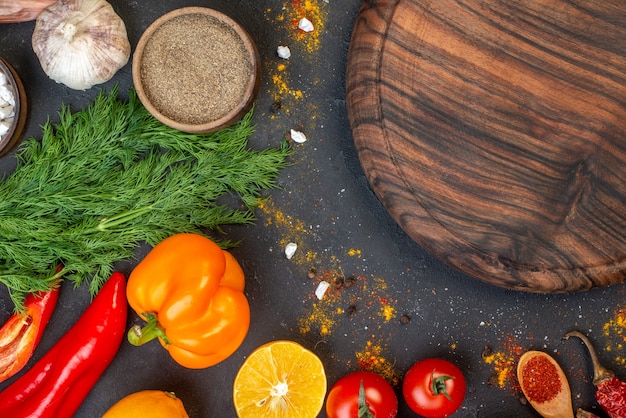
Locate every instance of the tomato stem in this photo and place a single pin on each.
(153, 329)
(438, 385)
(364, 409)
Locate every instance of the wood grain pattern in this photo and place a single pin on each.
(494, 133)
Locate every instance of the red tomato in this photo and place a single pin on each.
(434, 388)
(343, 398)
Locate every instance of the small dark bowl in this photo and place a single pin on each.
(14, 135)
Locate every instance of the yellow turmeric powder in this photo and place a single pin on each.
(615, 331)
(371, 358)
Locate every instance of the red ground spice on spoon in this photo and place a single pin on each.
(540, 380)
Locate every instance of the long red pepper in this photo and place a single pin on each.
(22, 332)
(611, 392)
(56, 385)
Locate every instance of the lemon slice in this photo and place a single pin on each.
(280, 379)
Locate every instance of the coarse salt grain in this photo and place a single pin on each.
(4, 127)
(6, 94)
(283, 52)
(290, 250)
(305, 25)
(298, 136)
(7, 105)
(321, 289)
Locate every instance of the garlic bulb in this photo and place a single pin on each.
(15, 11)
(80, 43)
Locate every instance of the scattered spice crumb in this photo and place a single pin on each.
(387, 311)
(305, 44)
(352, 252)
(282, 88)
(320, 318)
(324, 314)
(315, 14)
(504, 362)
(285, 97)
(292, 230)
(339, 296)
(615, 331)
(371, 358)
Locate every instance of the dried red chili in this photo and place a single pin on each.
(611, 392)
(540, 380)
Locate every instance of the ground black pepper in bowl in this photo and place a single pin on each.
(196, 70)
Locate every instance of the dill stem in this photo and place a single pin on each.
(107, 224)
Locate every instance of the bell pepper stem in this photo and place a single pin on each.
(153, 329)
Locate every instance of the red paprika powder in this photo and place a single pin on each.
(540, 380)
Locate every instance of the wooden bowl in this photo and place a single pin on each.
(10, 139)
(196, 70)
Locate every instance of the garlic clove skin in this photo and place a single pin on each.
(80, 43)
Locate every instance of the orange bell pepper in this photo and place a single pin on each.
(190, 292)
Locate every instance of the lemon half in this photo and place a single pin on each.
(280, 379)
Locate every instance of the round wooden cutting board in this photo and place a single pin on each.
(494, 133)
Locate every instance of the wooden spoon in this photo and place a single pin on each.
(545, 385)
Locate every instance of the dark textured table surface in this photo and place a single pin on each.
(404, 305)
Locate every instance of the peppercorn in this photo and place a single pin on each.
(276, 106)
(349, 281)
(487, 351)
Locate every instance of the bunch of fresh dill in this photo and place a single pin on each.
(105, 179)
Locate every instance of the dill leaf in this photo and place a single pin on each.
(106, 178)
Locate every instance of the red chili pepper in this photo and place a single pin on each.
(611, 392)
(57, 384)
(22, 332)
